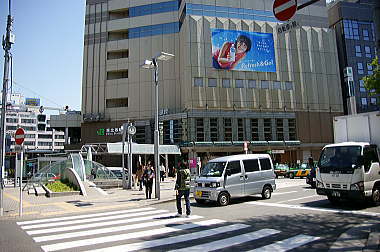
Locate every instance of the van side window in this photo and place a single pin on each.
(370, 156)
(234, 167)
(265, 164)
(251, 165)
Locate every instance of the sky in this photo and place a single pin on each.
(48, 52)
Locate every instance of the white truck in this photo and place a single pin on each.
(349, 169)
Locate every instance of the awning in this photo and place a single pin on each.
(116, 148)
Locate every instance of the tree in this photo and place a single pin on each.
(372, 82)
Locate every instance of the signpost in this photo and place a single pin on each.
(284, 10)
(19, 139)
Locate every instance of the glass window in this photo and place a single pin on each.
(251, 83)
(264, 84)
(368, 51)
(361, 86)
(198, 82)
(212, 82)
(373, 101)
(369, 156)
(280, 129)
(276, 85)
(265, 164)
(239, 84)
(251, 165)
(365, 35)
(200, 130)
(226, 83)
(360, 68)
(292, 129)
(369, 68)
(255, 129)
(234, 167)
(358, 51)
(240, 129)
(227, 129)
(214, 129)
(364, 101)
(268, 129)
(288, 85)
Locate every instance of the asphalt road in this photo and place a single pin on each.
(295, 218)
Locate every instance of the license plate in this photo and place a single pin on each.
(335, 194)
(198, 193)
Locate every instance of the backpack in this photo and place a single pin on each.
(183, 179)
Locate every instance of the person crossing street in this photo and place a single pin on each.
(182, 187)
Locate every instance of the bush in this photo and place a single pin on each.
(61, 186)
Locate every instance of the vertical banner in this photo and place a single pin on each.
(243, 51)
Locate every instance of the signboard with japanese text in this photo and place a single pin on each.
(109, 131)
(243, 50)
(32, 101)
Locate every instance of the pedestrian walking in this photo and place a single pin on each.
(182, 187)
(162, 172)
(139, 176)
(148, 180)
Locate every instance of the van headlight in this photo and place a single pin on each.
(319, 184)
(215, 184)
(357, 186)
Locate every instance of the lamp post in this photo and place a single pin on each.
(150, 64)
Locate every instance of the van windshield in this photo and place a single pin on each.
(339, 158)
(213, 169)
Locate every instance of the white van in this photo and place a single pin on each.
(235, 176)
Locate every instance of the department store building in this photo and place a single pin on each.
(280, 96)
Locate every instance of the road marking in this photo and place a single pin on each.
(99, 224)
(92, 220)
(172, 240)
(232, 241)
(117, 228)
(288, 244)
(315, 209)
(281, 193)
(306, 197)
(131, 235)
(83, 216)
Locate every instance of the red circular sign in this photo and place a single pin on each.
(19, 136)
(283, 10)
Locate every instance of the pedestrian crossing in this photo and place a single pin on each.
(153, 229)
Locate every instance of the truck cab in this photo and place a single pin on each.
(349, 170)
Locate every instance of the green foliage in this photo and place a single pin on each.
(372, 82)
(61, 186)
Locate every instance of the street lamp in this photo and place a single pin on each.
(153, 64)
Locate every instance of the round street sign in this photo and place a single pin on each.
(283, 10)
(19, 136)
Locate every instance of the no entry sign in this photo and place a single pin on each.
(19, 136)
(283, 10)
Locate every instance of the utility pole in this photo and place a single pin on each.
(7, 42)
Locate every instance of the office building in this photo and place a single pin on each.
(354, 29)
(280, 95)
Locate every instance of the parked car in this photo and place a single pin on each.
(281, 170)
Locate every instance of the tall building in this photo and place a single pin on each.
(236, 76)
(355, 35)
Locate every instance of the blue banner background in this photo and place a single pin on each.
(260, 58)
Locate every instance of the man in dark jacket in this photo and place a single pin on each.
(182, 186)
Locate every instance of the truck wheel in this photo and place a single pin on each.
(200, 201)
(291, 175)
(223, 199)
(333, 200)
(376, 196)
(267, 192)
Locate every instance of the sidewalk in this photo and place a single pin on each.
(107, 199)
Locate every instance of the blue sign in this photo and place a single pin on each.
(243, 51)
(32, 101)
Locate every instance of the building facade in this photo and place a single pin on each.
(283, 104)
(355, 35)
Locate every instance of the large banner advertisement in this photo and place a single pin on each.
(243, 51)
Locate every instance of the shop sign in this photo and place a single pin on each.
(286, 27)
(278, 151)
(109, 131)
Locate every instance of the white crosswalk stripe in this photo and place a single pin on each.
(146, 228)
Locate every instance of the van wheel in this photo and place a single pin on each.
(291, 175)
(333, 200)
(223, 199)
(376, 196)
(200, 201)
(267, 192)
